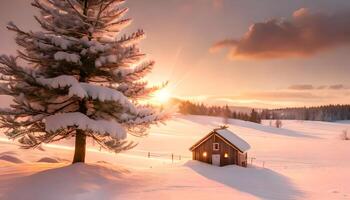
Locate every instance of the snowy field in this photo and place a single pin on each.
(302, 160)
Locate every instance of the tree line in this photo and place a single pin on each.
(187, 107)
(316, 113)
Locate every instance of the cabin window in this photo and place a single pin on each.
(216, 146)
(226, 155)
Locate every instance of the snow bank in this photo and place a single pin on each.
(10, 158)
(78, 181)
(289, 173)
(48, 160)
(64, 120)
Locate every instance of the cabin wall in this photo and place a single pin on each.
(206, 146)
(232, 153)
(242, 159)
(233, 157)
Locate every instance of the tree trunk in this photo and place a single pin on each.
(80, 147)
(80, 137)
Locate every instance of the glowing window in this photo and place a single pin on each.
(204, 154)
(216, 146)
(226, 155)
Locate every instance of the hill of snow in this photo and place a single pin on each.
(302, 160)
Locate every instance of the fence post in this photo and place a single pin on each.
(251, 160)
(179, 157)
(172, 158)
(263, 164)
(149, 154)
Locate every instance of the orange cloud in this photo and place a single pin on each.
(304, 34)
(322, 87)
(338, 87)
(301, 87)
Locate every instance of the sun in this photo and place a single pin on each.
(162, 96)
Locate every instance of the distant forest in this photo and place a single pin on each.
(187, 107)
(319, 113)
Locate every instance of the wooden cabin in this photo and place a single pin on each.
(221, 147)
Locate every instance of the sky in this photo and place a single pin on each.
(258, 53)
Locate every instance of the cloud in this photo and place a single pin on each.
(337, 87)
(222, 44)
(305, 34)
(321, 87)
(301, 87)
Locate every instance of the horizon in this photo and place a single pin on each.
(224, 54)
(252, 107)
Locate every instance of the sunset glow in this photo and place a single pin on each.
(162, 96)
(202, 57)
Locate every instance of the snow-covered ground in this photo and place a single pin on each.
(302, 160)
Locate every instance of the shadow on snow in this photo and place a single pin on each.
(260, 182)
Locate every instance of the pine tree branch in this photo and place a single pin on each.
(77, 12)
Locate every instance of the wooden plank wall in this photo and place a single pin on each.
(207, 146)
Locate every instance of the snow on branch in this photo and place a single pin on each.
(84, 90)
(134, 38)
(130, 74)
(60, 82)
(61, 17)
(61, 41)
(60, 121)
(69, 57)
(107, 94)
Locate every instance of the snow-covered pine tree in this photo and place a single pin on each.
(82, 80)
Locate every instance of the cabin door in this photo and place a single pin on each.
(216, 159)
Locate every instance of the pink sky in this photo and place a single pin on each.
(236, 52)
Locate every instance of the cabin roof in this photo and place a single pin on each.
(233, 139)
(227, 135)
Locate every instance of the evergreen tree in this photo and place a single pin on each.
(82, 79)
(254, 116)
(226, 113)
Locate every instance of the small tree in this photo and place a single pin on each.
(344, 135)
(81, 79)
(254, 117)
(278, 123)
(226, 113)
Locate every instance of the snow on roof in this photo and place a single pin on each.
(233, 138)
